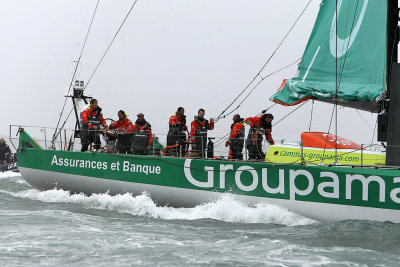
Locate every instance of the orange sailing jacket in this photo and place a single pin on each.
(255, 122)
(174, 120)
(124, 126)
(92, 118)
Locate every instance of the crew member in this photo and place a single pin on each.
(142, 136)
(124, 127)
(259, 126)
(177, 133)
(91, 120)
(5, 152)
(198, 133)
(236, 138)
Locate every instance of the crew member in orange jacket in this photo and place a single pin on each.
(142, 136)
(177, 133)
(236, 138)
(124, 128)
(91, 120)
(198, 132)
(259, 126)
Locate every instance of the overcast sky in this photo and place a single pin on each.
(170, 53)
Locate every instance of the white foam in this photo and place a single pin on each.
(9, 174)
(227, 208)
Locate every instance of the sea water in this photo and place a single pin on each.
(56, 228)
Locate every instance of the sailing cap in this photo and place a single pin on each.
(140, 114)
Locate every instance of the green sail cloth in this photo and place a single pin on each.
(155, 147)
(25, 140)
(361, 55)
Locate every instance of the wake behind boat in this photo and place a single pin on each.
(321, 190)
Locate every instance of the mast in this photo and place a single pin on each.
(76, 97)
(393, 83)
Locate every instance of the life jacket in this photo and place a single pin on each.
(90, 118)
(236, 137)
(141, 136)
(201, 132)
(174, 127)
(255, 135)
(257, 130)
(123, 126)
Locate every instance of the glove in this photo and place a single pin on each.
(227, 143)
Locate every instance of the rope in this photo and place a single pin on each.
(329, 128)
(108, 48)
(112, 41)
(263, 67)
(348, 44)
(290, 113)
(73, 76)
(262, 79)
(336, 81)
(366, 123)
(373, 134)
(311, 116)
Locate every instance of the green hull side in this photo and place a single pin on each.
(365, 187)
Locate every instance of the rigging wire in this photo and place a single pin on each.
(311, 116)
(363, 119)
(219, 142)
(329, 129)
(290, 113)
(73, 76)
(221, 139)
(262, 79)
(336, 80)
(373, 135)
(348, 44)
(112, 41)
(97, 66)
(339, 79)
(266, 63)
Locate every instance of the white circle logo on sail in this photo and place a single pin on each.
(344, 44)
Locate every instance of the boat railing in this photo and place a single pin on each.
(215, 148)
(69, 140)
(42, 135)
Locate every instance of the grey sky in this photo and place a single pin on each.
(169, 53)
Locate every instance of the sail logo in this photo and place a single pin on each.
(343, 45)
(320, 186)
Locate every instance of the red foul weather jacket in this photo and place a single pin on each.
(237, 131)
(255, 122)
(198, 126)
(90, 118)
(124, 126)
(174, 120)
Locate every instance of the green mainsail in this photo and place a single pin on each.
(360, 55)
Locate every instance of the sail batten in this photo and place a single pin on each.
(360, 56)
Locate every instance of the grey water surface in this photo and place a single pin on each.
(55, 228)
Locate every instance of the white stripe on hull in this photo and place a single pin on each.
(182, 197)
